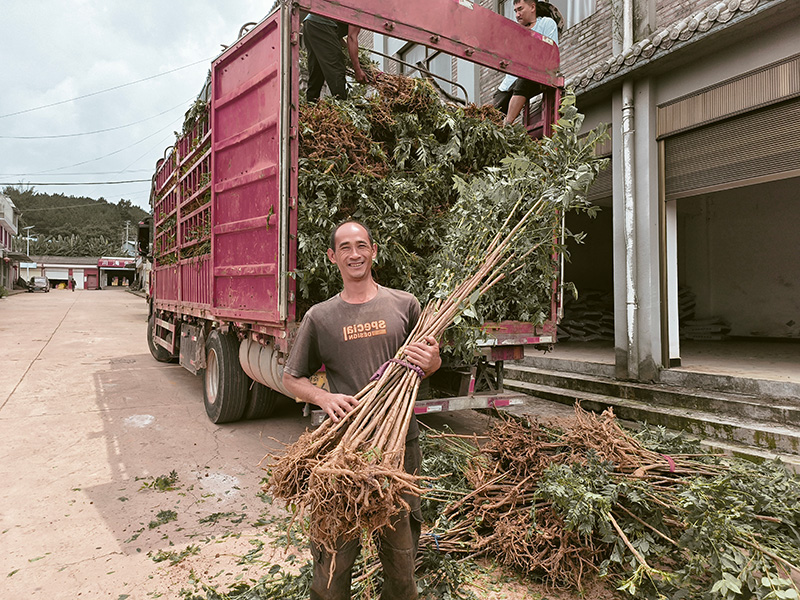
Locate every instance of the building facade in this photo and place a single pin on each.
(83, 270)
(699, 237)
(9, 256)
(696, 237)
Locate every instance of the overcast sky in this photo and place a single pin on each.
(53, 51)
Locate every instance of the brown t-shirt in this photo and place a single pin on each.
(353, 340)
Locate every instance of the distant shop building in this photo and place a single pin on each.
(59, 269)
(116, 271)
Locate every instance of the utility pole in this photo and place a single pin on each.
(125, 241)
(28, 251)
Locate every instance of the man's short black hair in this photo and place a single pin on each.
(332, 240)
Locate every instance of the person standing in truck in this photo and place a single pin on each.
(383, 318)
(326, 64)
(513, 92)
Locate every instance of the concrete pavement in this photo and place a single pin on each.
(88, 420)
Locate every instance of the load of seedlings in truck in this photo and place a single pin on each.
(397, 158)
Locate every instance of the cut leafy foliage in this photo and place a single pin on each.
(427, 178)
(162, 483)
(656, 520)
(163, 516)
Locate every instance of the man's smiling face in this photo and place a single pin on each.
(353, 253)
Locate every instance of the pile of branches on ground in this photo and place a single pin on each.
(394, 156)
(544, 500)
(648, 511)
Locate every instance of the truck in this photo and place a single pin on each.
(222, 299)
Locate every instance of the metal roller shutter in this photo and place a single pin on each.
(602, 187)
(758, 146)
(57, 273)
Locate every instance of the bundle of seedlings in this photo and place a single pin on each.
(650, 512)
(397, 158)
(348, 476)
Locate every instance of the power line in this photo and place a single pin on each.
(146, 152)
(116, 87)
(27, 210)
(83, 173)
(68, 135)
(79, 182)
(110, 153)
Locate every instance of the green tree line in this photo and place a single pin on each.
(74, 225)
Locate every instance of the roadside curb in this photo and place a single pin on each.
(13, 292)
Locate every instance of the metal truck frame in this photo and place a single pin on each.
(222, 299)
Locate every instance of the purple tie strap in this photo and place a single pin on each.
(400, 362)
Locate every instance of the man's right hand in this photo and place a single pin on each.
(336, 406)
(360, 74)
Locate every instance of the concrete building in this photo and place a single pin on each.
(116, 271)
(699, 237)
(58, 269)
(10, 256)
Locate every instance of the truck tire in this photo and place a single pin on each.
(225, 385)
(261, 401)
(160, 353)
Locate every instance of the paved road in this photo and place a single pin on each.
(87, 418)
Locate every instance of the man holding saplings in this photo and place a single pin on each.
(353, 334)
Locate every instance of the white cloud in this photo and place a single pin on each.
(56, 50)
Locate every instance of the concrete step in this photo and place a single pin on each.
(680, 377)
(540, 360)
(761, 388)
(777, 439)
(766, 410)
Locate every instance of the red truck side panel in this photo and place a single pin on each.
(462, 28)
(245, 125)
(225, 233)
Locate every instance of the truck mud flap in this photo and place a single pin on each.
(193, 348)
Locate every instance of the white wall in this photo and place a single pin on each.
(739, 251)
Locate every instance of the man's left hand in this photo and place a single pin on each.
(425, 354)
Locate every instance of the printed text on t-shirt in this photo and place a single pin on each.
(364, 330)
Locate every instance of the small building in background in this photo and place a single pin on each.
(116, 271)
(10, 256)
(58, 269)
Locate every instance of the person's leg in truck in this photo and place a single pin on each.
(325, 60)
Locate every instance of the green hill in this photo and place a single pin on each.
(74, 225)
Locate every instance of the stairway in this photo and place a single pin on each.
(753, 418)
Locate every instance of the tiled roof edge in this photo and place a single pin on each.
(663, 40)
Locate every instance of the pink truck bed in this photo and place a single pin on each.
(225, 197)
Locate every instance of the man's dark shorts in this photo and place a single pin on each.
(521, 87)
